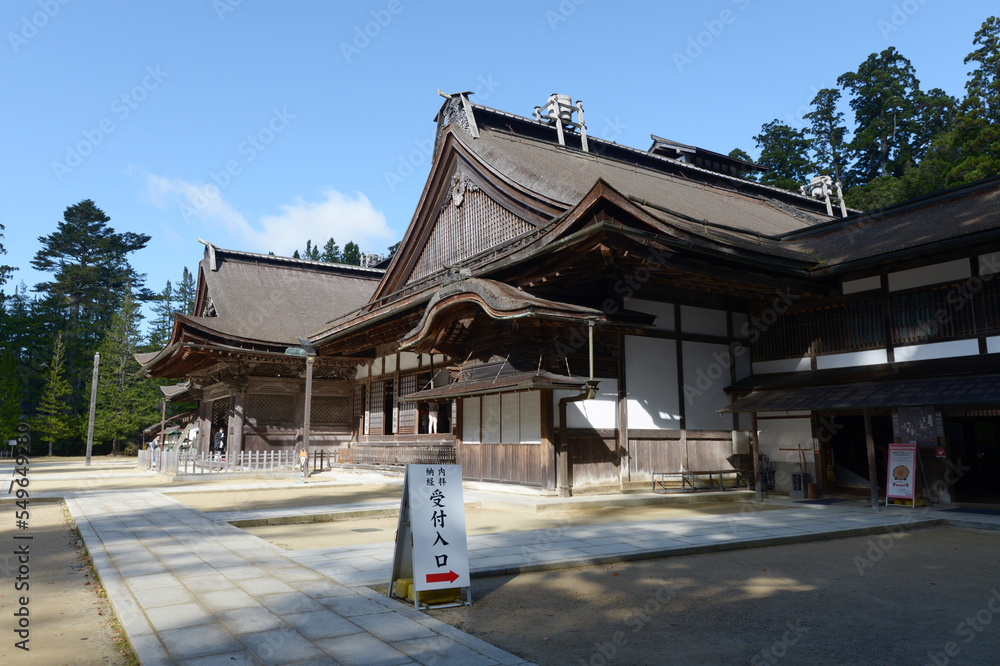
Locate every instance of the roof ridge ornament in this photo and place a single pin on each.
(821, 187)
(559, 112)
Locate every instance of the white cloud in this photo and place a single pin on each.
(336, 215)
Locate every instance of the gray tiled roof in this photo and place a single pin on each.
(276, 299)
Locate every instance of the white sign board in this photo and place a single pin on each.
(437, 524)
(900, 482)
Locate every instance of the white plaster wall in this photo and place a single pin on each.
(782, 365)
(664, 312)
(936, 350)
(948, 271)
(993, 345)
(362, 372)
(851, 359)
(390, 364)
(409, 361)
(706, 374)
(703, 321)
(776, 434)
(861, 284)
(651, 378)
(599, 413)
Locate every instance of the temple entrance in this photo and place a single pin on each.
(849, 448)
(974, 453)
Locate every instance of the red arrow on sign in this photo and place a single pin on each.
(449, 577)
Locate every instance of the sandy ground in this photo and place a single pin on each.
(912, 600)
(68, 622)
(929, 596)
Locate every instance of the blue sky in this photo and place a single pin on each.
(256, 125)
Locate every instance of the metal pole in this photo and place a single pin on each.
(93, 404)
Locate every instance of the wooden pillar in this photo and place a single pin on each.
(755, 454)
(236, 422)
(624, 471)
(872, 474)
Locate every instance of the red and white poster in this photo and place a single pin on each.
(901, 481)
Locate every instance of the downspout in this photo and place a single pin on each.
(562, 453)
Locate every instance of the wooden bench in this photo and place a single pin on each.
(687, 479)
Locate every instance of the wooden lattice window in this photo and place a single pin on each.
(330, 410)
(938, 314)
(461, 231)
(271, 408)
(220, 414)
(376, 408)
(359, 408)
(407, 410)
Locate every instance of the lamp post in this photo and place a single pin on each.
(309, 352)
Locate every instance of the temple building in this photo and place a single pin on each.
(573, 315)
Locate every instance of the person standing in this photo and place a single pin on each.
(219, 442)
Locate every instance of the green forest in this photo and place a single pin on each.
(901, 143)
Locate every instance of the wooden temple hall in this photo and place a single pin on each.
(575, 315)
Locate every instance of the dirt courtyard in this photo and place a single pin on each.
(931, 596)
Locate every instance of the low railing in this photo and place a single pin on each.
(190, 462)
(397, 455)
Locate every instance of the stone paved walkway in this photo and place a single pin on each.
(189, 588)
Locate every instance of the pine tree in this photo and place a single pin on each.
(331, 252)
(126, 402)
(295, 255)
(185, 293)
(11, 396)
(784, 151)
(52, 422)
(352, 254)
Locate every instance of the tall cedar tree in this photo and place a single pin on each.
(185, 293)
(5, 271)
(90, 271)
(883, 92)
(52, 423)
(784, 150)
(125, 401)
(163, 317)
(975, 143)
(827, 131)
(11, 396)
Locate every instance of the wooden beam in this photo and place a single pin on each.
(872, 474)
(755, 453)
